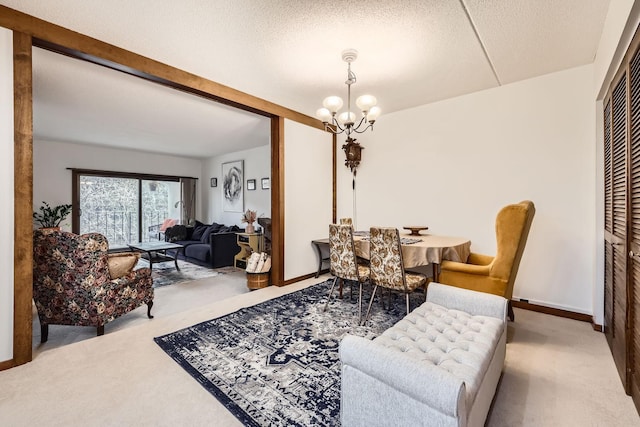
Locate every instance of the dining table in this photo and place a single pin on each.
(425, 249)
(417, 251)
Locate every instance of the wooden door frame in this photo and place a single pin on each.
(30, 31)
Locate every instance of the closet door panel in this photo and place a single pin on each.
(633, 327)
(616, 229)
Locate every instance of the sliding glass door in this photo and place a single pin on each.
(126, 209)
(160, 201)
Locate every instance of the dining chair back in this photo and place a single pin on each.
(346, 221)
(387, 266)
(344, 265)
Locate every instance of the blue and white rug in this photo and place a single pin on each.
(277, 363)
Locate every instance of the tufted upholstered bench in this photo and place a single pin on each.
(438, 366)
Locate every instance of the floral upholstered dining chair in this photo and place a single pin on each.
(344, 265)
(387, 268)
(75, 281)
(346, 221)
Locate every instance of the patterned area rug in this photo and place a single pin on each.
(277, 363)
(166, 274)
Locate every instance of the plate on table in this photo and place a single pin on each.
(416, 229)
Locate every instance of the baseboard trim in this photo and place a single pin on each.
(298, 279)
(557, 312)
(7, 364)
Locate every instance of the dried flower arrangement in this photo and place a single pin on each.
(249, 216)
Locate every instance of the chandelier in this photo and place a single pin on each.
(346, 121)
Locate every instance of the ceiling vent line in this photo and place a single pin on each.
(484, 49)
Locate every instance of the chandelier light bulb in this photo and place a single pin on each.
(365, 102)
(373, 114)
(347, 118)
(323, 114)
(332, 103)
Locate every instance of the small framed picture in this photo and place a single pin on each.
(251, 184)
(265, 184)
(214, 182)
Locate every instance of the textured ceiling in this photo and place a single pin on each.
(412, 52)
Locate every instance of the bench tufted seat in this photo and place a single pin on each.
(439, 365)
(453, 340)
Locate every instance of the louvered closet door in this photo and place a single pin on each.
(634, 230)
(616, 226)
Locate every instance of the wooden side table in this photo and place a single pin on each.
(322, 249)
(249, 243)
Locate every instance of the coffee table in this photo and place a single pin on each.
(156, 252)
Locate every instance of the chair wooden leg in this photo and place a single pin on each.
(510, 312)
(44, 332)
(100, 330)
(373, 295)
(407, 294)
(149, 305)
(360, 304)
(330, 292)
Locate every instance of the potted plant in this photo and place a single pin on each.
(49, 217)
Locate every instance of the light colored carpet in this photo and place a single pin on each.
(557, 372)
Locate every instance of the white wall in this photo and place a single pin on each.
(257, 165)
(452, 165)
(6, 189)
(52, 180)
(308, 194)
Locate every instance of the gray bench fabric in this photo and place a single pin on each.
(428, 368)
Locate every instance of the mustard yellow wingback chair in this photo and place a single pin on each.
(495, 275)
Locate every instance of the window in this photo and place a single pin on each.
(126, 208)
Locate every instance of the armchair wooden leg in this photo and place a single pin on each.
(510, 312)
(100, 330)
(44, 332)
(149, 305)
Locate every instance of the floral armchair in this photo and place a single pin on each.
(73, 285)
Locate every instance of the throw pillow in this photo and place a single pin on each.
(198, 231)
(168, 223)
(206, 234)
(176, 233)
(121, 264)
(212, 229)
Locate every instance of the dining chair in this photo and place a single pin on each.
(495, 275)
(387, 268)
(346, 221)
(344, 265)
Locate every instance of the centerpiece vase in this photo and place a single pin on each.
(250, 228)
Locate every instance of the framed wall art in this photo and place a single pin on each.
(232, 179)
(214, 182)
(251, 184)
(266, 183)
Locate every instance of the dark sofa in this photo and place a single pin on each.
(212, 245)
